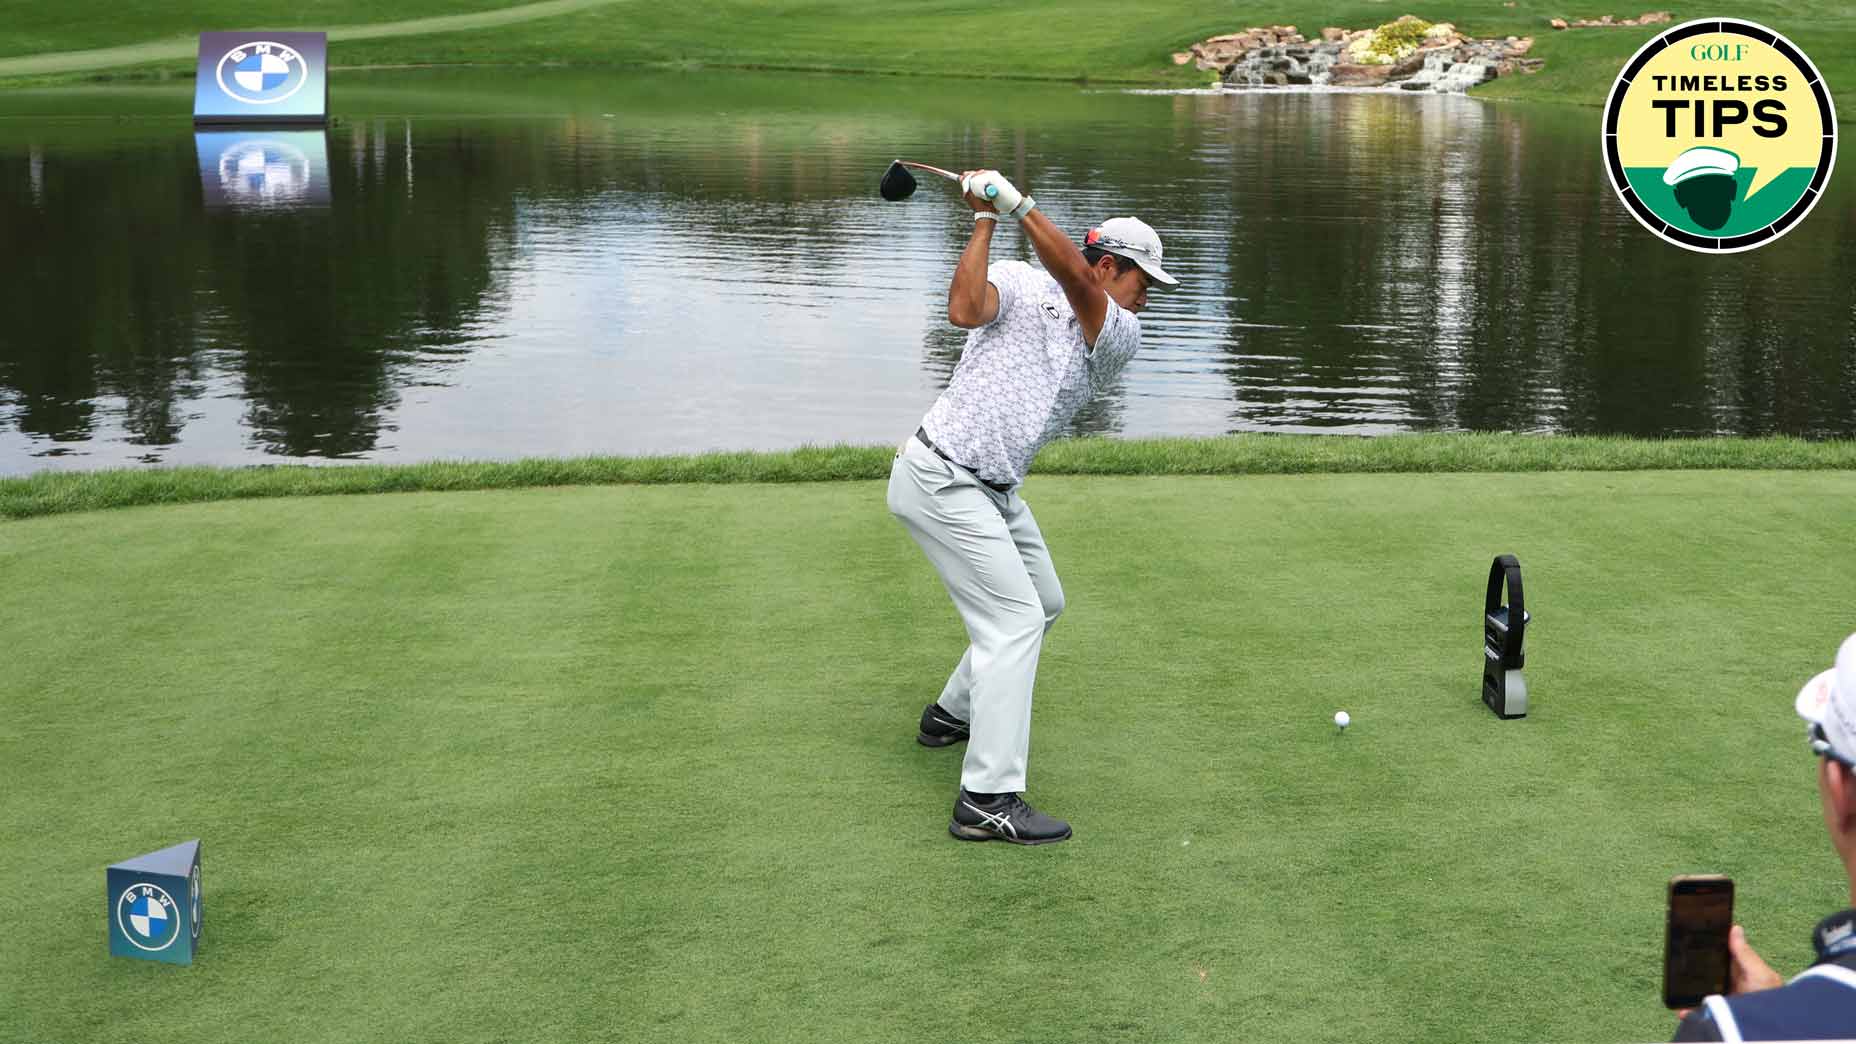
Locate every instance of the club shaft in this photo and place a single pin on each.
(948, 174)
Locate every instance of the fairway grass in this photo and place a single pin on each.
(636, 762)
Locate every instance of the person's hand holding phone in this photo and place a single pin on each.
(1747, 971)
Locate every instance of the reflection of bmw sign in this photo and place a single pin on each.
(262, 73)
(263, 170)
(148, 917)
(267, 168)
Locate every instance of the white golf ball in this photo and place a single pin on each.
(1342, 719)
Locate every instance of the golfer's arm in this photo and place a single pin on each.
(971, 300)
(1066, 265)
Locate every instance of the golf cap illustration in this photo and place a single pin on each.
(1703, 178)
(1828, 703)
(1699, 161)
(1133, 239)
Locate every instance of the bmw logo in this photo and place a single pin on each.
(262, 73)
(148, 917)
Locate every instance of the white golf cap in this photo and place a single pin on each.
(1828, 702)
(1698, 161)
(1133, 239)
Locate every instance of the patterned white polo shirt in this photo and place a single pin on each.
(1025, 374)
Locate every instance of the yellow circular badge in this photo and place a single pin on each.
(1719, 135)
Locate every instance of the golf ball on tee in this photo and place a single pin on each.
(1342, 719)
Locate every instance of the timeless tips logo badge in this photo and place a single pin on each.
(1719, 135)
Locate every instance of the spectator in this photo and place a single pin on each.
(1820, 1003)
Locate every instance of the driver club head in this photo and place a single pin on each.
(897, 183)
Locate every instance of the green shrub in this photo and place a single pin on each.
(1390, 42)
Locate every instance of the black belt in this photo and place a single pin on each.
(921, 436)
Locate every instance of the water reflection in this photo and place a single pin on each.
(264, 328)
(263, 168)
(668, 274)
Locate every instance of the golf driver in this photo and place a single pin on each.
(898, 183)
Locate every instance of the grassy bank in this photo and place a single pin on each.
(52, 492)
(1096, 40)
(637, 763)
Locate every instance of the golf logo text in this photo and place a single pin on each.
(262, 73)
(148, 917)
(1719, 135)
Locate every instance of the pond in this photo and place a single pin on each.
(493, 265)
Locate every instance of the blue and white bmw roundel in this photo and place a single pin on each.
(262, 73)
(148, 917)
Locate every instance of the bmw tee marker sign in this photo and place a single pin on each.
(154, 905)
(262, 77)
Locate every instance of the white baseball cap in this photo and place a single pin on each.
(1698, 161)
(1828, 702)
(1133, 239)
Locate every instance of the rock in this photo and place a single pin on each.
(1278, 55)
(1558, 23)
(1348, 75)
(1653, 18)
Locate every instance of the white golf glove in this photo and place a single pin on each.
(1008, 201)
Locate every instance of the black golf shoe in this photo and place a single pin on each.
(1005, 818)
(939, 728)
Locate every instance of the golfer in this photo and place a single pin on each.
(1042, 344)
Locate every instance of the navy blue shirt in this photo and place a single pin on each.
(1820, 1004)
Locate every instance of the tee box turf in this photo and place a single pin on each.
(154, 905)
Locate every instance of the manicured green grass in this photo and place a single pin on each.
(50, 492)
(1104, 41)
(635, 763)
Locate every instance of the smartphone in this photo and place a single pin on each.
(1701, 912)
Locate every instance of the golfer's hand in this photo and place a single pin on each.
(973, 185)
(1747, 972)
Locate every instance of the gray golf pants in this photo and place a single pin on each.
(988, 550)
